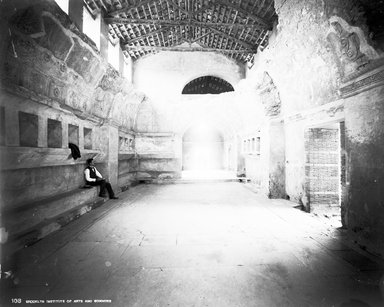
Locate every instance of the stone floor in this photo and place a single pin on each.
(208, 175)
(205, 244)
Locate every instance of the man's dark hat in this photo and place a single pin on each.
(89, 160)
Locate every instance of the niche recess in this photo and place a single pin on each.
(73, 134)
(28, 129)
(87, 138)
(55, 134)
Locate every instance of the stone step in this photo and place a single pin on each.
(25, 217)
(212, 180)
(29, 224)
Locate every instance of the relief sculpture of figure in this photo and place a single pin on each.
(350, 46)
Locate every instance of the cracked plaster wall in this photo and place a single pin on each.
(50, 69)
(305, 71)
(319, 83)
(364, 205)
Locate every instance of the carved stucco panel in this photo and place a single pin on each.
(350, 46)
(102, 103)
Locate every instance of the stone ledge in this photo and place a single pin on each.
(20, 219)
(32, 234)
(157, 155)
(157, 176)
(126, 156)
(34, 157)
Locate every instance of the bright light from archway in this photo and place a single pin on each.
(202, 148)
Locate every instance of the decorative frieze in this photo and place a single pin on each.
(57, 90)
(111, 80)
(53, 64)
(363, 83)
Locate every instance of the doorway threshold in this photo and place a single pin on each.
(208, 175)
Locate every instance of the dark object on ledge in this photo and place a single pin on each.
(74, 150)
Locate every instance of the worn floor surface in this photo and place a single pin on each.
(211, 244)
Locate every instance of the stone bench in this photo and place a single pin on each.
(31, 222)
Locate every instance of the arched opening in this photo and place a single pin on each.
(207, 85)
(203, 148)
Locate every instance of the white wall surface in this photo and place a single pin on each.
(166, 73)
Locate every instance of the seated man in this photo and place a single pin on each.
(93, 177)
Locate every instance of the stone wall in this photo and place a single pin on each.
(35, 158)
(58, 72)
(364, 122)
(157, 157)
(57, 89)
(250, 160)
(320, 70)
(303, 68)
(322, 168)
(297, 58)
(127, 159)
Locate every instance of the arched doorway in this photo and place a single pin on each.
(203, 148)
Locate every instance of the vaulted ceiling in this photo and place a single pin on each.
(235, 28)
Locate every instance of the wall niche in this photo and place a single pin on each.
(55, 134)
(28, 129)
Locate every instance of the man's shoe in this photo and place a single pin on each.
(103, 195)
(114, 197)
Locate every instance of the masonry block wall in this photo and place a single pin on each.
(322, 168)
(157, 158)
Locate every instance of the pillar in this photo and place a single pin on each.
(109, 169)
(273, 158)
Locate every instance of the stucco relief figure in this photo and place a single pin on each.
(349, 45)
(119, 112)
(102, 103)
(73, 100)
